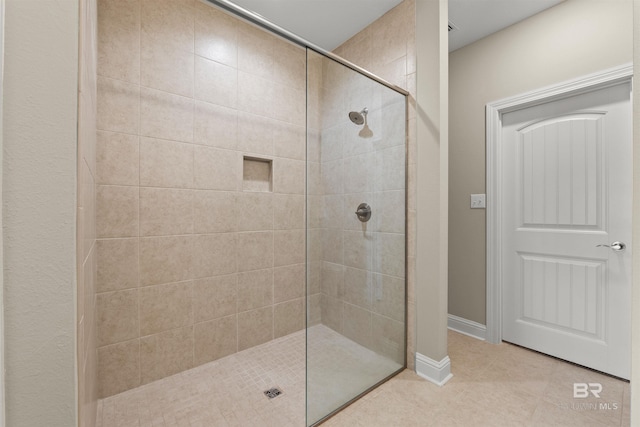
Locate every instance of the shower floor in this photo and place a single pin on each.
(230, 391)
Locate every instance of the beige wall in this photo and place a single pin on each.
(387, 49)
(86, 216)
(432, 132)
(194, 261)
(40, 95)
(575, 38)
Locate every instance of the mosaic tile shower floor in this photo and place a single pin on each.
(493, 385)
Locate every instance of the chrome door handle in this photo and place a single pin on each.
(616, 246)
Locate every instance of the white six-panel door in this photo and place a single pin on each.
(566, 187)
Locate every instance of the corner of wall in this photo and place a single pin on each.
(432, 179)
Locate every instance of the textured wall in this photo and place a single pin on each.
(199, 255)
(39, 210)
(572, 39)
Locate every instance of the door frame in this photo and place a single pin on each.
(494, 112)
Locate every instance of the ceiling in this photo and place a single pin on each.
(326, 23)
(476, 19)
(329, 23)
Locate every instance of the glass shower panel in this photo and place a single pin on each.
(355, 234)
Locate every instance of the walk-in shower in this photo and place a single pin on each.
(251, 239)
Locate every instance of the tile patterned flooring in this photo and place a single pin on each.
(493, 385)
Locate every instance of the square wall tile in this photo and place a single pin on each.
(288, 247)
(389, 296)
(116, 211)
(166, 163)
(118, 106)
(164, 307)
(291, 64)
(332, 279)
(256, 133)
(117, 316)
(288, 317)
(390, 208)
(255, 211)
(289, 141)
(255, 250)
(215, 297)
(314, 309)
(332, 313)
(288, 104)
(255, 327)
(165, 67)
(216, 35)
(215, 126)
(166, 116)
(216, 169)
(214, 212)
(358, 248)
(119, 40)
(358, 286)
(388, 339)
(332, 177)
(216, 83)
(256, 51)
(215, 254)
(288, 282)
(333, 211)
(255, 289)
(288, 211)
(166, 259)
(332, 242)
(389, 255)
(256, 95)
(118, 264)
(288, 176)
(165, 211)
(357, 324)
(215, 339)
(169, 21)
(118, 368)
(165, 354)
(117, 158)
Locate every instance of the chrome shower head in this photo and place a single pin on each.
(358, 118)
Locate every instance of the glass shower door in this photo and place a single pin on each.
(356, 214)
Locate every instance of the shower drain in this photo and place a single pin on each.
(272, 392)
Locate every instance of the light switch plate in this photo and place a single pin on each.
(478, 201)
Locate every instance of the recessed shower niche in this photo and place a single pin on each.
(257, 174)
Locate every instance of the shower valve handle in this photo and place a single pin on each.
(364, 212)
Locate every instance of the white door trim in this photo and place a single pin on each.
(494, 112)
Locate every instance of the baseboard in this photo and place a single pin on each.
(467, 327)
(436, 372)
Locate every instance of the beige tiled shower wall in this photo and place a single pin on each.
(86, 218)
(362, 265)
(192, 266)
(387, 49)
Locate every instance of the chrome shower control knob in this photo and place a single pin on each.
(364, 212)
